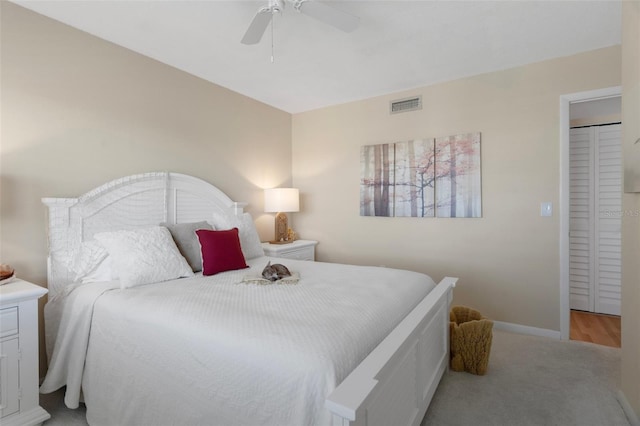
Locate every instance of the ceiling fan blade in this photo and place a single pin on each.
(327, 14)
(258, 26)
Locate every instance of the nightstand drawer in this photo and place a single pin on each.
(303, 253)
(299, 250)
(8, 321)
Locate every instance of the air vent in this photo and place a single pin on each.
(405, 105)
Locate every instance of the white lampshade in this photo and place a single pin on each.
(281, 200)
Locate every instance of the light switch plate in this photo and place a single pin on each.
(546, 209)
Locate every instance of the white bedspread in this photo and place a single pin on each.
(210, 351)
(68, 324)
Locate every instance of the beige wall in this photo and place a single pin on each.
(631, 207)
(78, 111)
(508, 260)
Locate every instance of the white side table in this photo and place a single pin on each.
(19, 376)
(299, 249)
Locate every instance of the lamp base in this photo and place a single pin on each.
(281, 227)
(281, 242)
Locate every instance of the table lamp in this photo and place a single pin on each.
(281, 201)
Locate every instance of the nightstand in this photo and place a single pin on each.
(299, 249)
(19, 376)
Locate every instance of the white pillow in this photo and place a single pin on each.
(249, 239)
(144, 256)
(103, 272)
(86, 259)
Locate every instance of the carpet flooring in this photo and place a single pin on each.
(531, 381)
(534, 381)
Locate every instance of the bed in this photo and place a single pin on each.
(344, 345)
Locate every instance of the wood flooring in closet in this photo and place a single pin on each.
(595, 328)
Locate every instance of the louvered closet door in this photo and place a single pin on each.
(581, 160)
(595, 219)
(608, 226)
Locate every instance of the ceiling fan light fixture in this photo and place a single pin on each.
(261, 21)
(315, 9)
(276, 6)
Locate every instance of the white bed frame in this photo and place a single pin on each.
(394, 384)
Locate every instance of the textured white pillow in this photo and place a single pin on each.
(144, 256)
(103, 272)
(88, 257)
(249, 239)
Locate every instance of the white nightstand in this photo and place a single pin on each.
(299, 249)
(19, 376)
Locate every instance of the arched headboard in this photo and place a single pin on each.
(130, 202)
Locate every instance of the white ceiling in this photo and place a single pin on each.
(399, 45)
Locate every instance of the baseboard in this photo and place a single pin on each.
(628, 410)
(525, 329)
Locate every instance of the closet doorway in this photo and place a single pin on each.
(581, 109)
(595, 203)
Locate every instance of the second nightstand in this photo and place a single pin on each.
(299, 249)
(19, 354)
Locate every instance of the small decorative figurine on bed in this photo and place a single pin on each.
(275, 272)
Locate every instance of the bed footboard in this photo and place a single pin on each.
(395, 383)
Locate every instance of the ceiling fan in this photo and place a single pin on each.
(320, 11)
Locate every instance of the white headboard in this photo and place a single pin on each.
(131, 202)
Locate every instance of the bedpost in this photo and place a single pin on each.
(61, 239)
(238, 208)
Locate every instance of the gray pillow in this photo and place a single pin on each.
(184, 234)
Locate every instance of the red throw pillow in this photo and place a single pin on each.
(220, 250)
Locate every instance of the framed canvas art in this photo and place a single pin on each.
(422, 178)
(458, 184)
(377, 180)
(414, 178)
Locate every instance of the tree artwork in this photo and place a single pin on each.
(376, 182)
(422, 178)
(458, 186)
(415, 179)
